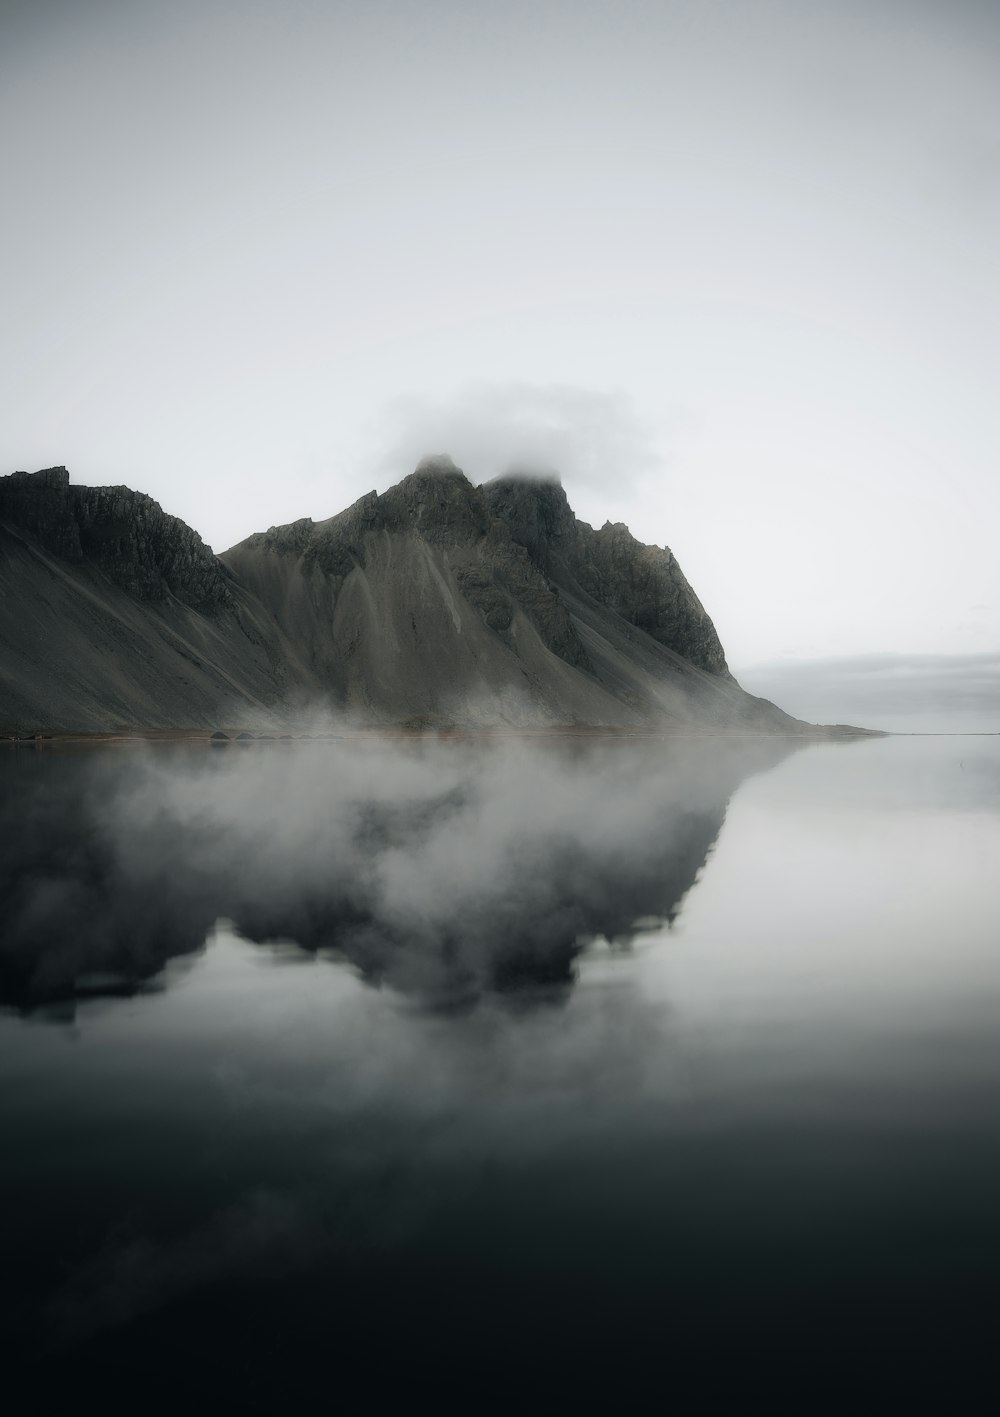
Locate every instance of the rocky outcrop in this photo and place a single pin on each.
(149, 554)
(642, 584)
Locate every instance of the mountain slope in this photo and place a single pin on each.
(440, 601)
(435, 603)
(113, 615)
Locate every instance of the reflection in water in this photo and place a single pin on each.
(752, 1167)
(439, 870)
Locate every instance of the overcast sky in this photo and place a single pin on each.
(730, 267)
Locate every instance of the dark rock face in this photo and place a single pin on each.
(531, 543)
(642, 584)
(537, 515)
(149, 554)
(438, 501)
(439, 505)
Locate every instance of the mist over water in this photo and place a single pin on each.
(342, 1072)
(444, 869)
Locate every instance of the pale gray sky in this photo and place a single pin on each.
(731, 266)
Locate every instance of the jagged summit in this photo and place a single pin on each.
(54, 478)
(150, 554)
(438, 592)
(438, 462)
(535, 509)
(436, 601)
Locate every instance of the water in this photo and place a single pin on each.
(529, 1076)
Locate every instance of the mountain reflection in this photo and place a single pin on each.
(443, 871)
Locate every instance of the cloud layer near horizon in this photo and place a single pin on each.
(957, 691)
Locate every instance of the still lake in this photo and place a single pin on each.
(360, 1074)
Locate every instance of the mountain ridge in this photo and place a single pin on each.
(437, 602)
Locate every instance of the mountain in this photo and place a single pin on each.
(436, 603)
(113, 615)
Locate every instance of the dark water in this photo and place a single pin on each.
(529, 1078)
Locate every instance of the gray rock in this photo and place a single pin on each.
(642, 584)
(126, 534)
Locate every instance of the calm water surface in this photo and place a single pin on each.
(346, 1075)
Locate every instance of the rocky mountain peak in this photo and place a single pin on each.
(535, 510)
(55, 479)
(435, 479)
(437, 500)
(642, 584)
(438, 462)
(125, 534)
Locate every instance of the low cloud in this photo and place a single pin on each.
(591, 438)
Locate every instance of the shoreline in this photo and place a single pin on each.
(242, 737)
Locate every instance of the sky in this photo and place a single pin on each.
(730, 268)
